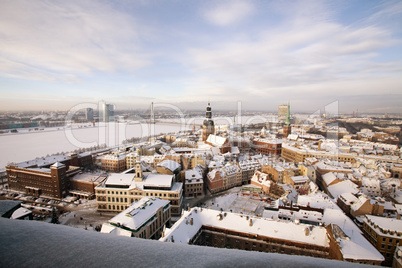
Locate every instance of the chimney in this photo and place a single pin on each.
(307, 231)
(251, 222)
(191, 221)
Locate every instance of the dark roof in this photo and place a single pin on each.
(40, 244)
(8, 206)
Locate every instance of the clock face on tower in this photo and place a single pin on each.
(208, 123)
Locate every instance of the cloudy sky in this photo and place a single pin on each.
(56, 54)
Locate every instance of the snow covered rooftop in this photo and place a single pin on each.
(114, 157)
(44, 161)
(216, 140)
(139, 212)
(360, 202)
(116, 179)
(261, 178)
(329, 178)
(170, 165)
(345, 186)
(158, 180)
(269, 141)
(57, 165)
(89, 177)
(348, 198)
(389, 224)
(192, 174)
(8, 205)
(182, 231)
(356, 246)
(300, 179)
(20, 212)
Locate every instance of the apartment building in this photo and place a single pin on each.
(385, 234)
(143, 219)
(119, 191)
(224, 178)
(114, 163)
(267, 146)
(248, 167)
(51, 182)
(194, 183)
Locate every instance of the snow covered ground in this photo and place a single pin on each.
(233, 201)
(84, 216)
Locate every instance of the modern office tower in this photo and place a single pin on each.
(287, 128)
(107, 112)
(282, 112)
(89, 114)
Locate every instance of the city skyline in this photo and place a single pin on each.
(57, 54)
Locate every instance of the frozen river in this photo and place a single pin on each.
(23, 146)
(26, 145)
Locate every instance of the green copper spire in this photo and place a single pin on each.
(288, 116)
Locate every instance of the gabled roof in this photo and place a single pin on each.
(329, 178)
(216, 140)
(139, 213)
(360, 202)
(57, 165)
(169, 164)
(342, 187)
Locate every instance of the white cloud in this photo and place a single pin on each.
(325, 58)
(61, 40)
(225, 13)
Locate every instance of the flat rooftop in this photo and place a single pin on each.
(88, 177)
(182, 232)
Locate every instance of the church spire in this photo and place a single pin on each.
(208, 127)
(208, 113)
